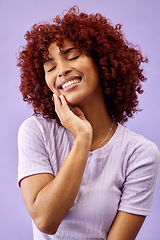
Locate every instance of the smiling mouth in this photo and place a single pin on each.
(68, 82)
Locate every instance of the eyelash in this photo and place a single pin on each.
(51, 69)
(68, 60)
(73, 58)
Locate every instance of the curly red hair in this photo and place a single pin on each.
(117, 60)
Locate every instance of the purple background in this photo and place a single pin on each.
(140, 19)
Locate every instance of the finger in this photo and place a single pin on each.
(61, 107)
(63, 101)
(78, 112)
(57, 104)
(65, 107)
(56, 100)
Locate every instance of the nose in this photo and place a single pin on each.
(63, 73)
(64, 69)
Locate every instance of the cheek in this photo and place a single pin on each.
(88, 68)
(50, 82)
(92, 73)
(95, 72)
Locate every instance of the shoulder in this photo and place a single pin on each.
(48, 132)
(140, 148)
(40, 124)
(136, 141)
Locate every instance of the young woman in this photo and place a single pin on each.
(82, 174)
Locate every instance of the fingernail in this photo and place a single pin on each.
(53, 97)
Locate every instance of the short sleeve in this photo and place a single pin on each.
(33, 158)
(140, 182)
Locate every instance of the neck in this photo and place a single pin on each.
(96, 113)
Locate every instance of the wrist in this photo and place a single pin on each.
(84, 140)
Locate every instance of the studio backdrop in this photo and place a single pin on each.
(141, 24)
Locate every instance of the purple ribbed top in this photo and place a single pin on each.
(119, 176)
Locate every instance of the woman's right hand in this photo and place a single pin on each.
(73, 120)
(47, 197)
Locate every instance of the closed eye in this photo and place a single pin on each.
(51, 69)
(70, 59)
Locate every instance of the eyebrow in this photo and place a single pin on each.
(63, 51)
(68, 50)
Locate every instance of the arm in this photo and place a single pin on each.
(125, 226)
(48, 199)
(137, 192)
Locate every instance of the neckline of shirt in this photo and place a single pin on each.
(107, 147)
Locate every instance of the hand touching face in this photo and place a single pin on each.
(73, 120)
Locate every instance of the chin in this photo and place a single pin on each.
(74, 101)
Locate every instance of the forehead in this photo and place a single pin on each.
(54, 49)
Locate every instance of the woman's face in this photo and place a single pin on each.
(71, 74)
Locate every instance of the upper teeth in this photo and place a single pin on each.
(69, 83)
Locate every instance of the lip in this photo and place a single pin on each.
(67, 79)
(69, 88)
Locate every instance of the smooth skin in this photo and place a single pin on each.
(49, 198)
